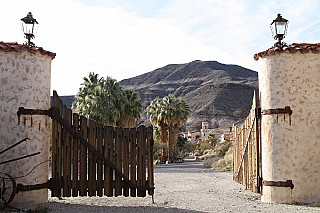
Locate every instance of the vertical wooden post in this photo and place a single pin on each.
(257, 139)
(56, 147)
(118, 158)
(125, 149)
(99, 182)
(92, 159)
(75, 157)
(108, 153)
(67, 140)
(83, 158)
(133, 160)
(150, 159)
(141, 167)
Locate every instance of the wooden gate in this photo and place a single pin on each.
(89, 159)
(247, 150)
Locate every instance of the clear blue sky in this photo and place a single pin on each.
(123, 39)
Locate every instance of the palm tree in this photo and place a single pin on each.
(157, 115)
(168, 113)
(99, 99)
(132, 109)
(180, 116)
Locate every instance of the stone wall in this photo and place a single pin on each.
(291, 149)
(25, 82)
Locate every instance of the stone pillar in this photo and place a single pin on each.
(291, 145)
(25, 76)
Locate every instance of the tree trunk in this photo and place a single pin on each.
(175, 139)
(171, 148)
(164, 137)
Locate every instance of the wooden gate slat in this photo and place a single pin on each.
(67, 116)
(141, 167)
(56, 145)
(75, 157)
(133, 160)
(125, 148)
(118, 158)
(92, 160)
(150, 160)
(83, 158)
(108, 153)
(99, 182)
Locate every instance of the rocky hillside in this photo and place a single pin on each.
(218, 93)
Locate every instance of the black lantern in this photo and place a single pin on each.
(279, 29)
(28, 25)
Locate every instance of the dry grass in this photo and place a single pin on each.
(219, 158)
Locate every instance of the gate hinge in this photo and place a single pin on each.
(286, 110)
(287, 183)
(23, 188)
(52, 112)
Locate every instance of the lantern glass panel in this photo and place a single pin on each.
(280, 27)
(28, 28)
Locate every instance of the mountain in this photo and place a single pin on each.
(218, 93)
(67, 100)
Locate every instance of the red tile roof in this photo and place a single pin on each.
(293, 48)
(7, 47)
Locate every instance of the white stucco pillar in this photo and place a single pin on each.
(25, 82)
(291, 149)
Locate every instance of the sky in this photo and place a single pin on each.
(126, 38)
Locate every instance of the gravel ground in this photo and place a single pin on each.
(181, 187)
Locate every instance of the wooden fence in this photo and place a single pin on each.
(89, 159)
(246, 150)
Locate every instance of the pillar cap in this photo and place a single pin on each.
(293, 48)
(14, 46)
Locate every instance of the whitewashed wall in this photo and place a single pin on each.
(25, 81)
(291, 151)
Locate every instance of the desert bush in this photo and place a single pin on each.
(208, 162)
(204, 146)
(223, 148)
(225, 163)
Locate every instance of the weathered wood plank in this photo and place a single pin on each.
(125, 157)
(150, 159)
(83, 158)
(67, 140)
(92, 160)
(99, 182)
(141, 167)
(118, 160)
(133, 160)
(108, 153)
(75, 158)
(56, 145)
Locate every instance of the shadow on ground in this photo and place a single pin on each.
(60, 207)
(189, 165)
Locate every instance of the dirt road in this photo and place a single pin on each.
(181, 187)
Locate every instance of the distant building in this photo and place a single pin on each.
(193, 136)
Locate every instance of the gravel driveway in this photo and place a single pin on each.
(181, 187)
